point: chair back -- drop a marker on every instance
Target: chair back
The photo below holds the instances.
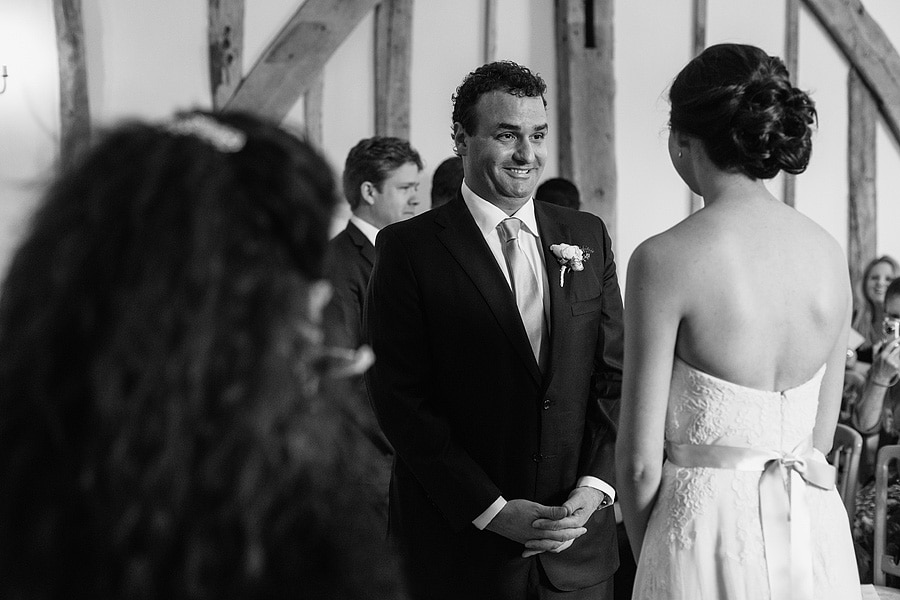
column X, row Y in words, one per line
column 844, row 456
column 883, row 563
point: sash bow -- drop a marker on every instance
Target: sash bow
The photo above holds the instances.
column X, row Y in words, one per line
column 782, row 504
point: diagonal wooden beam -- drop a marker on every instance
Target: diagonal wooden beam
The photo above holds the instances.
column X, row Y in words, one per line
column 393, row 56
column 226, row 48
column 297, row 54
column 586, row 94
column 868, row 49
column 74, row 107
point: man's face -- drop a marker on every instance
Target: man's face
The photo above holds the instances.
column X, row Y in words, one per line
column 397, row 199
column 505, row 156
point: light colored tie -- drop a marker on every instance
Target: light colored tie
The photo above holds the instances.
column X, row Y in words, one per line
column 524, row 284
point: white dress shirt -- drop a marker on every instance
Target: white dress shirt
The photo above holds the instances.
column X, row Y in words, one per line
column 367, row 229
column 487, row 218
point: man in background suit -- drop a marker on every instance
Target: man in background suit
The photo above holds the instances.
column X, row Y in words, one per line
column 501, row 404
column 381, row 178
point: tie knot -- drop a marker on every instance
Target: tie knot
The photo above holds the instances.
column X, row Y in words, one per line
column 509, row 229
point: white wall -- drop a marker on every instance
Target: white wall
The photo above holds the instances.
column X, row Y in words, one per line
column 146, row 59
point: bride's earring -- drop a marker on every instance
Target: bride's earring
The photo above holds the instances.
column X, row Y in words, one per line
column 680, row 154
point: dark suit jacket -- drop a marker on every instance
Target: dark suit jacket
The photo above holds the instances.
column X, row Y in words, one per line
column 348, row 266
column 459, row 394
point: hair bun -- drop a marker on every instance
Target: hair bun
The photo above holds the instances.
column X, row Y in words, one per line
column 741, row 103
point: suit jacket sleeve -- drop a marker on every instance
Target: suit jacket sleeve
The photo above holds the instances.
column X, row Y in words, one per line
column 400, row 384
column 598, row 451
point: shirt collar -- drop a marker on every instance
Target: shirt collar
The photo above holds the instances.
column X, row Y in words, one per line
column 367, row 229
column 487, row 216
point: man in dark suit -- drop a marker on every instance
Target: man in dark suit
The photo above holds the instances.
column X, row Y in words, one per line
column 381, row 179
column 502, row 416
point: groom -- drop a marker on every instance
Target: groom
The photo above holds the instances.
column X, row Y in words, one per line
column 497, row 380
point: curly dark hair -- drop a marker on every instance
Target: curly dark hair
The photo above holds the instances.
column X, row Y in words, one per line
column 740, row 102
column 161, row 433
column 505, row 76
column 373, row 159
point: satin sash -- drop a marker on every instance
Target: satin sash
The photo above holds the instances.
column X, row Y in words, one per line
column 782, row 504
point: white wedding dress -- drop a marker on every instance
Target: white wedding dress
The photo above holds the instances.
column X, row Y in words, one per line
column 705, row 538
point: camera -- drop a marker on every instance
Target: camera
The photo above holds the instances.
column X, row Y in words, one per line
column 891, row 328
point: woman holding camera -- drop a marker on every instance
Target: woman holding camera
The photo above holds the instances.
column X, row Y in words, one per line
column 877, row 413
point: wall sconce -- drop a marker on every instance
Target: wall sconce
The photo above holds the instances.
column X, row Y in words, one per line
column 3, row 76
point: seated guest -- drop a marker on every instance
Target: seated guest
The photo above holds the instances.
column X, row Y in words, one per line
column 876, row 415
column 868, row 302
column 161, row 433
column 446, row 181
column 559, row 191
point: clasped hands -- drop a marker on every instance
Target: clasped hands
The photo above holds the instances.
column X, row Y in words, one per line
column 547, row 528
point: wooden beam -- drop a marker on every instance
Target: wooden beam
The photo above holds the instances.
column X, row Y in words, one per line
column 587, row 88
column 490, row 30
column 699, row 43
column 393, row 55
column 74, row 106
column 312, row 111
column 868, row 49
column 226, row 48
column 861, row 163
column 791, row 61
column 296, row 56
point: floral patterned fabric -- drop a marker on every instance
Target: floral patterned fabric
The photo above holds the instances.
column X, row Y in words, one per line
column 704, row 538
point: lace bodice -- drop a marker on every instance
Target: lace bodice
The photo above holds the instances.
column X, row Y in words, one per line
column 704, row 409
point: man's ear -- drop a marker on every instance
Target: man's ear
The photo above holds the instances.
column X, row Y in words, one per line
column 460, row 139
column 367, row 191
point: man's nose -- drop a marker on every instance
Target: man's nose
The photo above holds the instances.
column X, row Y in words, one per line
column 524, row 151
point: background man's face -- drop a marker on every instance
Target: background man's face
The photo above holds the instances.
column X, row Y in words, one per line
column 505, row 156
column 397, row 199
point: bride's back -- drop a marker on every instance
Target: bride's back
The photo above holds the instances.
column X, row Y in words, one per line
column 763, row 300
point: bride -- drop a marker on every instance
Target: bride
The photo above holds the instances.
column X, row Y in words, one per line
column 736, row 327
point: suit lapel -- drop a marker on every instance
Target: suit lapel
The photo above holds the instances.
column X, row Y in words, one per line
column 366, row 249
column 552, row 231
column 464, row 241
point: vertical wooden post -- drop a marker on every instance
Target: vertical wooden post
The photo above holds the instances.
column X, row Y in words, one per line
column 490, row 30
column 863, row 214
column 312, row 111
column 226, row 46
column 791, row 61
column 74, row 106
column 393, row 54
column 699, row 43
column 584, row 49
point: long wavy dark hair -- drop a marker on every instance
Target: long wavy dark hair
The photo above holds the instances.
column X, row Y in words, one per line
column 161, row 430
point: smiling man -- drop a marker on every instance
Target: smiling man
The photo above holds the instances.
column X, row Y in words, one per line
column 496, row 379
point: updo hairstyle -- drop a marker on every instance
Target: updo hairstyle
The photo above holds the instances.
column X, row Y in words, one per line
column 741, row 104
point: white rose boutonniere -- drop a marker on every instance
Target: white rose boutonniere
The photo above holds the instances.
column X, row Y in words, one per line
column 571, row 258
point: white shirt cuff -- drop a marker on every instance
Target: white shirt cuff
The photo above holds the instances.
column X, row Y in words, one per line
column 598, row 484
column 488, row 515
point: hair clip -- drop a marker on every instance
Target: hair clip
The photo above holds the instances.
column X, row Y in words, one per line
column 223, row 138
